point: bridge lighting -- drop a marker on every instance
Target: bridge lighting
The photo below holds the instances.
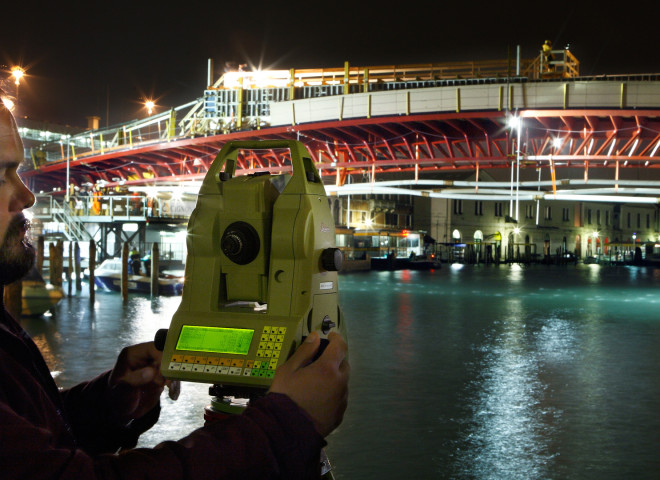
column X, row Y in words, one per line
column 556, row 142
column 17, row 73
column 514, row 122
column 149, row 105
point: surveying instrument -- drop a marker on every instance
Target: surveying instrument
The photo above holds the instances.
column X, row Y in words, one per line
column 261, row 274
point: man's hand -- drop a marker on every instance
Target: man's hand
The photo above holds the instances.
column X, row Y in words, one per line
column 320, row 388
column 136, row 382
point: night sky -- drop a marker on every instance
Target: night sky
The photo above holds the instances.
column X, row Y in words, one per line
column 105, row 58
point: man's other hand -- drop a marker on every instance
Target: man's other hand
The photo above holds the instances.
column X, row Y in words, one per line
column 136, row 382
column 320, row 388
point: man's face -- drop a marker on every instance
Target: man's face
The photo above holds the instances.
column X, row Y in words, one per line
column 16, row 253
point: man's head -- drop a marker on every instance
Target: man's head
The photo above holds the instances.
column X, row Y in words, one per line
column 16, row 253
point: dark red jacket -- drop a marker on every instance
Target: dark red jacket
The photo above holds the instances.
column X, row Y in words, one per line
column 70, row 434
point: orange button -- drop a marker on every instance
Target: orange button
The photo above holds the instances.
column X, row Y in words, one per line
column 249, row 364
column 224, row 362
column 189, row 359
column 177, row 358
column 237, row 362
column 212, row 361
column 201, row 360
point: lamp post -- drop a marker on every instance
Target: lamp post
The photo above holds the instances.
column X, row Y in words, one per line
column 18, row 73
column 149, row 105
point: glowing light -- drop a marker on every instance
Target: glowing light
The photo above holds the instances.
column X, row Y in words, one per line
column 368, row 222
column 556, row 142
column 9, row 105
column 17, row 73
column 595, row 234
column 514, row 122
column 149, row 105
column 516, row 230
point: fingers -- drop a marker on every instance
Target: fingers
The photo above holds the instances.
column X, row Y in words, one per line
column 143, row 354
column 336, row 350
column 304, row 354
column 143, row 376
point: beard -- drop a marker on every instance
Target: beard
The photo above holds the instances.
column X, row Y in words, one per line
column 16, row 252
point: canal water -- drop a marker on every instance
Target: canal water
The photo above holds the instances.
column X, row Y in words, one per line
column 473, row 372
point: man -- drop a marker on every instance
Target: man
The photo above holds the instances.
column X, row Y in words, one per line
column 73, row 434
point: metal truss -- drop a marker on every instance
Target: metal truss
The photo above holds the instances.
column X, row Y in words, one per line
column 372, row 148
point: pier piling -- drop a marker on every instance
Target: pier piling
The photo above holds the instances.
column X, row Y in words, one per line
column 155, row 260
column 92, row 266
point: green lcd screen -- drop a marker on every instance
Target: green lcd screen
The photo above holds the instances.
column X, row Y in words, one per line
column 215, row 339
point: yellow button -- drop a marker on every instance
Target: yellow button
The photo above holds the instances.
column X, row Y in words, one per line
column 279, row 338
column 277, row 346
column 281, row 330
column 267, row 329
column 276, row 354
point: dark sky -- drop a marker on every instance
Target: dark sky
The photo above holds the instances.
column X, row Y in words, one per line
column 80, row 57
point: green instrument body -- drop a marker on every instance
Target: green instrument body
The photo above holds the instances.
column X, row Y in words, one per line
column 260, row 274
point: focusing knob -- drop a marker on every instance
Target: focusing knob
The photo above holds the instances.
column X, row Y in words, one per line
column 159, row 339
column 332, row 259
column 240, row 243
column 327, row 325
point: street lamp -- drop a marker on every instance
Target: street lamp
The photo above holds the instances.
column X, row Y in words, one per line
column 149, row 105
column 18, row 73
column 515, row 122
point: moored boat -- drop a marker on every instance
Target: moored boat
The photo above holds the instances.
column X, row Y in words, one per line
column 108, row 276
column 37, row 296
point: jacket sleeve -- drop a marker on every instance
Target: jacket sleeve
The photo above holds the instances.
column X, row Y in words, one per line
column 273, row 438
column 94, row 425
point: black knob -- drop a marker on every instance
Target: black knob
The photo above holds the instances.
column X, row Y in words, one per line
column 240, row 243
column 332, row 259
column 159, row 339
column 327, row 325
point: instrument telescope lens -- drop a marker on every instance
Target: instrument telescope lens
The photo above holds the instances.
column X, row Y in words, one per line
column 240, row 243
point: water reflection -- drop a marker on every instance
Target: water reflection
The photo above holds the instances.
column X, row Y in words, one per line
column 472, row 373
column 508, row 433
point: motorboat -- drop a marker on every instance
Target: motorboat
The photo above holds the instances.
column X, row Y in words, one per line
column 108, row 276
column 37, row 296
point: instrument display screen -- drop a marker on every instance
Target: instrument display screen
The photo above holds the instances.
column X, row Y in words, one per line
column 215, row 339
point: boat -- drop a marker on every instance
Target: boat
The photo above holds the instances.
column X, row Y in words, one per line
column 108, row 276
column 414, row 262
column 37, row 296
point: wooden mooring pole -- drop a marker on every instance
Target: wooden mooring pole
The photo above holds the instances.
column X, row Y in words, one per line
column 69, row 270
column 13, row 298
column 40, row 254
column 124, row 272
column 92, row 266
column 155, row 260
column 77, row 268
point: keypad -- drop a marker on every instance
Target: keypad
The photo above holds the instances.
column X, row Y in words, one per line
column 268, row 353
